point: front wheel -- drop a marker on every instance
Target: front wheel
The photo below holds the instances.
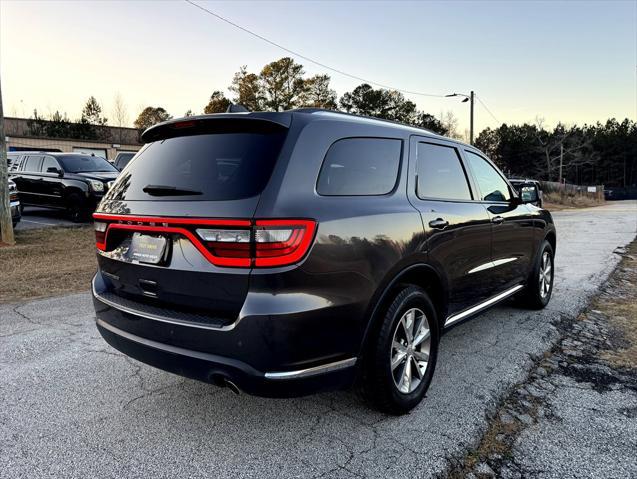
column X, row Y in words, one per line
column 75, row 209
column 539, row 288
column 401, row 359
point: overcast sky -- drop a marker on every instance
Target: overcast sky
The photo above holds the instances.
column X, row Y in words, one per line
column 574, row 62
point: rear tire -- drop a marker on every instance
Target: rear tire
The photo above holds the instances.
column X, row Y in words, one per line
column 401, row 357
column 537, row 293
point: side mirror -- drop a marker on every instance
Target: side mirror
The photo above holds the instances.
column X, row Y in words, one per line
column 529, row 194
column 57, row 171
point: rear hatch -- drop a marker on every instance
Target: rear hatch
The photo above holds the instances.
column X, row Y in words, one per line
column 175, row 230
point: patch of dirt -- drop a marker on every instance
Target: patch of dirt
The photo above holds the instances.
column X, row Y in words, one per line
column 47, row 262
column 556, row 201
column 620, row 306
column 598, row 348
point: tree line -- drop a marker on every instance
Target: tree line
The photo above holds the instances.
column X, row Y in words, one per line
column 58, row 125
column 590, row 154
column 279, row 85
column 603, row 153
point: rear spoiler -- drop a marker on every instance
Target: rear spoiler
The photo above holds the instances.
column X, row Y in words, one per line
column 262, row 122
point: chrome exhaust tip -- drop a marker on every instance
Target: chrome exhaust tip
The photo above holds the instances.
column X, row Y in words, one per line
column 233, row 387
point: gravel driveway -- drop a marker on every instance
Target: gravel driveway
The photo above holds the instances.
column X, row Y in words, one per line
column 71, row 406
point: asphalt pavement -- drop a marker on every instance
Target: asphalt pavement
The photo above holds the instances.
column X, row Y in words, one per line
column 71, row 406
column 36, row 218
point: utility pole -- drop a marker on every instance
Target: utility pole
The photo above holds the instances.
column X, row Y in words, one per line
column 467, row 98
column 471, row 120
column 561, row 160
column 6, row 227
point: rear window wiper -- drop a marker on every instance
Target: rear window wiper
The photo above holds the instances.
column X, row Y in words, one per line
column 166, row 190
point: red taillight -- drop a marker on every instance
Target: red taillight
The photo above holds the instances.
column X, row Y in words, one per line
column 282, row 242
column 230, row 243
column 100, row 235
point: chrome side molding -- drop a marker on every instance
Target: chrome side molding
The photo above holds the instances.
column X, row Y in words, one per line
column 491, row 264
column 480, row 306
column 316, row 370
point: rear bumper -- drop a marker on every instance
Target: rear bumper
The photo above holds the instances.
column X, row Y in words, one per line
column 121, row 329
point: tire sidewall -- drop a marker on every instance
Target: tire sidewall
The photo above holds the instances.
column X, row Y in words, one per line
column 537, row 298
column 410, row 297
column 75, row 209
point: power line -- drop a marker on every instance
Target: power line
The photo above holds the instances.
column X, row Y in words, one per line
column 487, row 108
column 299, row 55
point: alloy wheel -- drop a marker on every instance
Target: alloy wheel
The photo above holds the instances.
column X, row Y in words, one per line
column 410, row 348
column 546, row 274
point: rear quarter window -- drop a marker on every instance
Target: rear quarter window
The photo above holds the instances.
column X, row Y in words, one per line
column 360, row 167
column 13, row 162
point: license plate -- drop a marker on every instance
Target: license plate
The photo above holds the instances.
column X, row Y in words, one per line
column 147, row 249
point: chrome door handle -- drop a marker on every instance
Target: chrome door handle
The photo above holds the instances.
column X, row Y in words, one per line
column 497, row 220
column 438, row 224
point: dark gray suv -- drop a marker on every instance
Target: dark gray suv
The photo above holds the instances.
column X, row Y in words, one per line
column 286, row 253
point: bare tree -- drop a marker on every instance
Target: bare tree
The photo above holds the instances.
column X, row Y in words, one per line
column 562, row 148
column 450, row 122
column 119, row 111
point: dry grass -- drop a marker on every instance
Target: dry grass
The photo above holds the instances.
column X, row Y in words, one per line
column 490, row 444
column 47, row 262
column 554, row 201
column 622, row 311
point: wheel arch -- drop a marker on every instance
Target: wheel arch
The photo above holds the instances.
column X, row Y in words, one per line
column 551, row 237
column 76, row 189
column 421, row 274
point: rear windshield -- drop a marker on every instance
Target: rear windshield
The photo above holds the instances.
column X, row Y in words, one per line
column 217, row 167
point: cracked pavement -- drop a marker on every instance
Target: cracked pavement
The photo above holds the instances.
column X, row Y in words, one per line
column 575, row 414
column 71, row 406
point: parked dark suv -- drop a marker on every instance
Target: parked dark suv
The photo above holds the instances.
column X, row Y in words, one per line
column 286, row 253
column 74, row 182
column 529, row 190
column 123, row 158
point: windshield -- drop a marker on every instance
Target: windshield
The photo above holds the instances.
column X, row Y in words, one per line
column 213, row 167
column 85, row 163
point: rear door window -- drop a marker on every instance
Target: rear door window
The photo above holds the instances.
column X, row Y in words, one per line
column 32, row 164
column 212, row 167
column 360, row 166
column 440, row 173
